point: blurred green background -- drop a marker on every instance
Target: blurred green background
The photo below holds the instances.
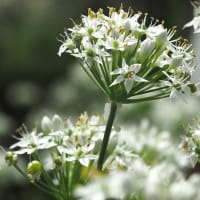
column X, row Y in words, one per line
column 35, row 82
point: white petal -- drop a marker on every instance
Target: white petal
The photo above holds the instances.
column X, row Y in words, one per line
column 84, row 161
column 118, row 80
column 139, row 79
column 190, row 23
column 87, row 148
column 135, row 68
column 128, row 83
column 62, row 49
column 117, row 71
column 72, row 158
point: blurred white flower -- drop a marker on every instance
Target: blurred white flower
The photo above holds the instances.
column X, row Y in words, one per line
column 195, row 22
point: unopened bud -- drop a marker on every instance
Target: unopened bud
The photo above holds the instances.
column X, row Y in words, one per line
column 146, row 48
column 10, row 158
column 57, row 122
column 57, row 161
column 46, row 124
column 34, row 169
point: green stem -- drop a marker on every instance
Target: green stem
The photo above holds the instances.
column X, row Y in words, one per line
column 107, row 134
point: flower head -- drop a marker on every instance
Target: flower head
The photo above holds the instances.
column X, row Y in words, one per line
column 127, row 58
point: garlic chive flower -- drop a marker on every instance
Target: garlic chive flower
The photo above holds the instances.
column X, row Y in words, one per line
column 129, row 59
column 30, row 142
column 191, row 142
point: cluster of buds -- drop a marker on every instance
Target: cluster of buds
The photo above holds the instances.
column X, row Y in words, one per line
column 129, row 59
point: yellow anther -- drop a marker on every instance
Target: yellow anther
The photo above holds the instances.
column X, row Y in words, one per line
column 91, row 13
column 111, row 10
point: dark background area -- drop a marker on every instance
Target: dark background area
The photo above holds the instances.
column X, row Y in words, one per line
column 34, row 81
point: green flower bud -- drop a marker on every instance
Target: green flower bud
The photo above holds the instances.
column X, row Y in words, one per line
column 10, row 158
column 34, row 169
column 192, row 87
column 57, row 161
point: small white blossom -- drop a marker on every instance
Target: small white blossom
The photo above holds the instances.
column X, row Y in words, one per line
column 127, row 74
column 195, row 22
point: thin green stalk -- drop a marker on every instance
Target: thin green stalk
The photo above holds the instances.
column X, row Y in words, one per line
column 107, row 135
column 42, row 188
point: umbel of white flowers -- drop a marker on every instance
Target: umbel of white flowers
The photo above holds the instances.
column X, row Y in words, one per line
column 129, row 59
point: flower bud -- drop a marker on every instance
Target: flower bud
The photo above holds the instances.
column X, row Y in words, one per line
column 57, row 122
column 46, row 124
column 192, row 87
column 57, row 161
column 10, row 158
column 146, row 48
column 34, row 169
column 161, row 38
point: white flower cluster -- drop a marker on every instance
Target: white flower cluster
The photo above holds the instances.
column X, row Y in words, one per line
column 141, row 161
column 157, row 172
column 146, row 142
column 72, row 142
column 129, row 59
column 163, row 181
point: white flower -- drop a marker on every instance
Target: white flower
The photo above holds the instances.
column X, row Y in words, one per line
column 90, row 191
column 67, row 46
column 78, row 147
column 31, row 142
column 188, row 145
column 115, row 186
column 182, row 190
column 50, row 125
column 161, row 36
column 127, row 74
column 177, row 85
column 195, row 22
